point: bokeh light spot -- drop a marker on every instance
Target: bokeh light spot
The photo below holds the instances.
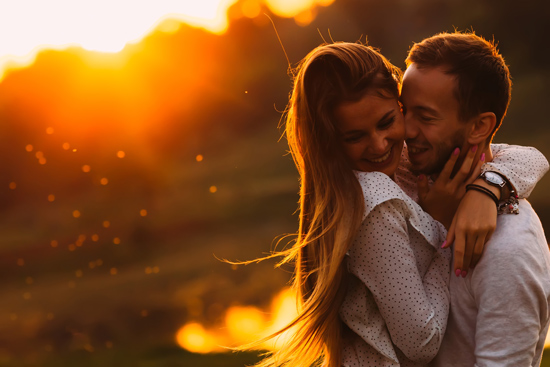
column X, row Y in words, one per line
column 66, row 146
column 42, row 160
column 72, row 247
column 95, row 237
column 194, row 338
column 143, row 212
column 113, row 271
column 213, row 189
column 29, row 148
column 251, row 8
column 27, row 295
column 29, row 280
column 78, row 273
column 76, row 213
column 244, row 323
column 39, row 154
column 116, row 241
column 120, row 154
column 54, row 243
column 51, row 197
column 49, row 130
column 106, row 224
column 199, row 157
column 13, row 185
column 20, row 262
column 104, row 181
column 86, row 168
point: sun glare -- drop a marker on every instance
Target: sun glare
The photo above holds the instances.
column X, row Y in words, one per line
column 242, row 325
column 27, row 26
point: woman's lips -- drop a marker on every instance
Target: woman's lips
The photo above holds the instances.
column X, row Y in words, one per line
column 383, row 160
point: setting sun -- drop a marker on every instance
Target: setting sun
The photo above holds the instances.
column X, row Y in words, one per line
column 101, row 25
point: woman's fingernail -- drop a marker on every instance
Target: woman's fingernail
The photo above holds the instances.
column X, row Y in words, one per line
column 474, row 148
column 458, row 272
column 421, row 178
column 482, row 157
column 456, row 151
column 444, row 243
column 464, row 273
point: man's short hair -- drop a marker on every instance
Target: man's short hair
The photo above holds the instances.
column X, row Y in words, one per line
column 483, row 79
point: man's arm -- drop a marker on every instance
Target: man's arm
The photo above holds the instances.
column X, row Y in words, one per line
column 510, row 286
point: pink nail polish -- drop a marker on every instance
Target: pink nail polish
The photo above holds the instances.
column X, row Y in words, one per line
column 458, row 272
column 420, row 177
column 482, row 157
column 464, row 273
column 474, row 148
column 444, row 243
column 456, row 151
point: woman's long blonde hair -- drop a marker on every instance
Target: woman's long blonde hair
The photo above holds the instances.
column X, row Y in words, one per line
column 331, row 200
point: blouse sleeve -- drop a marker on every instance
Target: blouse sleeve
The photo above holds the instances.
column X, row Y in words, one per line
column 414, row 306
column 522, row 166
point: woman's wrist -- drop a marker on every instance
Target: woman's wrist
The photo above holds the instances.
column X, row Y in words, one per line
column 495, row 190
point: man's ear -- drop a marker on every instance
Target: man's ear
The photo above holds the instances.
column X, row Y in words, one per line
column 482, row 128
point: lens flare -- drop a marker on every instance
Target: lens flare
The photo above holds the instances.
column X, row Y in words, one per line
column 194, row 338
column 242, row 325
column 100, row 25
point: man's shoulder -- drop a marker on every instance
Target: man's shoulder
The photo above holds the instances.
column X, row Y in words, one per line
column 518, row 241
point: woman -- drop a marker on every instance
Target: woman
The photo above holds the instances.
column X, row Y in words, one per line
column 362, row 302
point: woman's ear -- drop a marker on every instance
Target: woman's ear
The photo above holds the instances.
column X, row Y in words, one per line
column 482, row 128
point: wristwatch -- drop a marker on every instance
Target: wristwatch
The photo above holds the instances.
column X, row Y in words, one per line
column 493, row 178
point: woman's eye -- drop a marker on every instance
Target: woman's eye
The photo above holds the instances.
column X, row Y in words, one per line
column 387, row 123
column 352, row 139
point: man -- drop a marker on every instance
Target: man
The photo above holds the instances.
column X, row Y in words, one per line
column 456, row 91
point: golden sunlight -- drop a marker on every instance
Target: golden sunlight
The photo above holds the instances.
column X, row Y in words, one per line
column 196, row 339
column 242, row 325
column 100, row 25
column 107, row 26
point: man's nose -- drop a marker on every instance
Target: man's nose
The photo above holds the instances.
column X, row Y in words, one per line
column 411, row 128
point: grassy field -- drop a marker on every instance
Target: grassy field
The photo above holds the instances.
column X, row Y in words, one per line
column 96, row 301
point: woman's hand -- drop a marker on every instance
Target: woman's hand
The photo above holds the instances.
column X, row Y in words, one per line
column 442, row 199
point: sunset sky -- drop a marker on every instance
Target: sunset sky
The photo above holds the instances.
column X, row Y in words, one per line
column 107, row 26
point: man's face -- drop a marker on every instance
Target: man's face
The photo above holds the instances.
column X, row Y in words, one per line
column 433, row 129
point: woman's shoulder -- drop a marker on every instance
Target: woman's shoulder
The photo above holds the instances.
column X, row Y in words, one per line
column 379, row 188
column 383, row 197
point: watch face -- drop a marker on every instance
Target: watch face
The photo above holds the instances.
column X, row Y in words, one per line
column 494, row 178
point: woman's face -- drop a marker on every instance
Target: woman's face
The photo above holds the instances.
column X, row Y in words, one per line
column 372, row 132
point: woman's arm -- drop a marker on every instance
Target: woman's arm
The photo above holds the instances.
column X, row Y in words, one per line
column 475, row 218
column 523, row 167
column 414, row 306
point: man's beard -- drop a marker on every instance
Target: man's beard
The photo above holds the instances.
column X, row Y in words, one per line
column 442, row 153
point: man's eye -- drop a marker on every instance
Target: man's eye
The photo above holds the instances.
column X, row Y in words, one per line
column 426, row 118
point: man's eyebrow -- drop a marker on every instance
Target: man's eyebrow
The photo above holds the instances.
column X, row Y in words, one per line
column 422, row 108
